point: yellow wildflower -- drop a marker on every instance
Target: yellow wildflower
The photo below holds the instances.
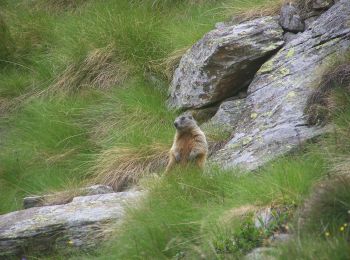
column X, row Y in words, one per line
column 345, row 225
column 327, row 234
column 341, row 229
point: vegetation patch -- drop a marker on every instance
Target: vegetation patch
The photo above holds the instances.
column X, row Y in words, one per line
column 57, row 5
column 327, row 211
column 100, row 70
column 247, row 10
column 183, row 215
column 5, row 41
column 121, row 167
column 323, row 101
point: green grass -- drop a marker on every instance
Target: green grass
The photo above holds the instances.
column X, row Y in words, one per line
column 310, row 248
column 52, row 140
column 181, row 213
column 134, row 115
column 44, row 149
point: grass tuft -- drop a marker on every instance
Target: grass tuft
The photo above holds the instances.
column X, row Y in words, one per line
column 322, row 103
column 248, row 10
column 57, row 5
column 310, row 248
column 5, row 41
column 167, row 66
column 121, row 167
column 100, row 70
column 328, row 208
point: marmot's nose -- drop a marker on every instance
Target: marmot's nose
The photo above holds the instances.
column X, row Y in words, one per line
column 175, row 124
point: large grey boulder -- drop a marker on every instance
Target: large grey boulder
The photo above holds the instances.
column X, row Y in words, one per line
column 290, row 19
column 223, row 62
column 273, row 121
column 83, row 223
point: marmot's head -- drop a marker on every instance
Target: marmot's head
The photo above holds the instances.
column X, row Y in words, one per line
column 185, row 123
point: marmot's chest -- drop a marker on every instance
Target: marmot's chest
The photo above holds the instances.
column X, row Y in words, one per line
column 185, row 145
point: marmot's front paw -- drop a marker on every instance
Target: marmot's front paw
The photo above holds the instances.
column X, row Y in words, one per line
column 193, row 155
column 177, row 156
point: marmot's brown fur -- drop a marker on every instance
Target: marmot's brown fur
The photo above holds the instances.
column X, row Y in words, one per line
column 190, row 144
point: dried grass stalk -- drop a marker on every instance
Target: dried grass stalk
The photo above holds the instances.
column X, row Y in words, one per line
column 321, row 103
column 242, row 13
column 168, row 65
column 98, row 70
column 121, row 166
column 57, row 5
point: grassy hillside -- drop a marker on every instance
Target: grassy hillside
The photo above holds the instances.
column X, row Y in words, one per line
column 82, row 88
column 83, row 85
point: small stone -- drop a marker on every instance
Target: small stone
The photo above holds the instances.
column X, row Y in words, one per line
column 32, row 201
column 279, row 238
column 97, row 189
column 290, row 19
column 321, row 4
column 260, row 253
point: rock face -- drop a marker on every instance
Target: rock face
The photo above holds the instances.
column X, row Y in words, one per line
column 223, row 62
column 290, row 19
column 82, row 223
column 288, row 36
column 273, row 121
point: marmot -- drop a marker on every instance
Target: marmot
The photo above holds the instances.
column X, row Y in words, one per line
column 190, row 144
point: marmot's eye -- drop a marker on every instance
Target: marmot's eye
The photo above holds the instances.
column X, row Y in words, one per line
column 190, row 117
column 183, row 118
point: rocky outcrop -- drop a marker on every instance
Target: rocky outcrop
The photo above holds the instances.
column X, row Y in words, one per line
column 273, row 121
column 82, row 223
column 223, row 62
